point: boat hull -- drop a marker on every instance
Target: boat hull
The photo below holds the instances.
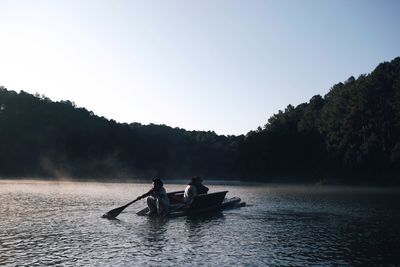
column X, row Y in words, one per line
column 202, row 205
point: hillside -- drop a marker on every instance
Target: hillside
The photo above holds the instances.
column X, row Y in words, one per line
column 350, row 135
column 40, row 137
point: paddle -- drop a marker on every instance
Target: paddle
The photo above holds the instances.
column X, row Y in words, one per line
column 112, row 214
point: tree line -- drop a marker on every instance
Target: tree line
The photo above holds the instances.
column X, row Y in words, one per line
column 350, row 135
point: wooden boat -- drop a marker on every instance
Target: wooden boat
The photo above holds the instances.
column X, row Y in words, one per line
column 202, row 204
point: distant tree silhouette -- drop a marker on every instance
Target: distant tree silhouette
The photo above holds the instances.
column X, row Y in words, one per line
column 351, row 134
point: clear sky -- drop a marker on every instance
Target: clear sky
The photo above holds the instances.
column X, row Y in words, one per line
column 220, row 65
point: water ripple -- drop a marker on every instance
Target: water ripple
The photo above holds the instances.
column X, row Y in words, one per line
column 58, row 224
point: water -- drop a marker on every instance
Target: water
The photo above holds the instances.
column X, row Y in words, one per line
column 58, row 223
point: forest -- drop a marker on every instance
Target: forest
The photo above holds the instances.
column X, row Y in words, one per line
column 350, row 136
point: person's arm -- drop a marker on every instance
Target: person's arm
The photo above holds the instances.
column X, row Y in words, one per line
column 190, row 192
column 146, row 194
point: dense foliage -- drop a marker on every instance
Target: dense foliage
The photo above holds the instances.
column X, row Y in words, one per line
column 352, row 134
column 39, row 137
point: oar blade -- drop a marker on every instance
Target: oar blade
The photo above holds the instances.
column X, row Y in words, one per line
column 112, row 214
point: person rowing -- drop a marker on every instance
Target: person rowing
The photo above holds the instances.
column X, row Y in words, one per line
column 194, row 188
column 157, row 199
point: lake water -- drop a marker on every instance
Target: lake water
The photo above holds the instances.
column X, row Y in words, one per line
column 58, row 223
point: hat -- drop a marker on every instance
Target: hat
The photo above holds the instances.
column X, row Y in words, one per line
column 196, row 179
column 158, row 181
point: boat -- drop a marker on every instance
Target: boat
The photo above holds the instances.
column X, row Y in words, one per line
column 202, row 204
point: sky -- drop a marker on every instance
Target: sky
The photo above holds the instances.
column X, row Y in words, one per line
column 213, row 65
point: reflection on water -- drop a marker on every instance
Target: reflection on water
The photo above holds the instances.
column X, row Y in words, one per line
column 49, row 223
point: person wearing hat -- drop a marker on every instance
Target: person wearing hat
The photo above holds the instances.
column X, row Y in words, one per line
column 157, row 199
column 194, row 188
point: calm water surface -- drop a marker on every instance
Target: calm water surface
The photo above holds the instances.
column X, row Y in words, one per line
column 58, row 223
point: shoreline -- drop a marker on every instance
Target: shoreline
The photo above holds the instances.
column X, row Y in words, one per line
column 216, row 182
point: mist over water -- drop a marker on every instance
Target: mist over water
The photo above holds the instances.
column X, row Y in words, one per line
column 58, row 223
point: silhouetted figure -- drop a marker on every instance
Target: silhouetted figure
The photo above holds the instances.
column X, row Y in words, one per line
column 194, row 188
column 157, row 199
